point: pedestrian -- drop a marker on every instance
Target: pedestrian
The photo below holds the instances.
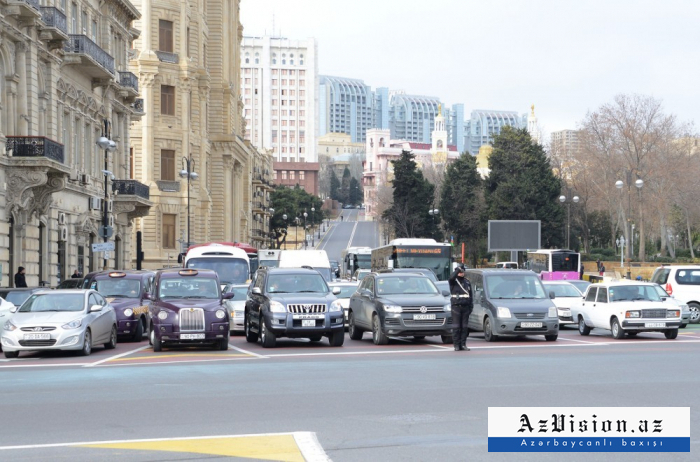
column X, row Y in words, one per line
column 598, row 265
column 76, row 274
column 20, row 281
column 580, row 276
column 462, row 305
column 602, row 269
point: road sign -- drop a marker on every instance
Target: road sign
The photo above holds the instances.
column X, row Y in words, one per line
column 105, row 231
column 103, row 246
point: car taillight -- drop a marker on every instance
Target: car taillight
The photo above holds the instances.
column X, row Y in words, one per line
column 669, row 288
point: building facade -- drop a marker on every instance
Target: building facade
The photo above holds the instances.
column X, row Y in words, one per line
column 412, row 117
column 484, row 124
column 66, row 83
column 262, row 176
column 345, row 106
column 189, row 146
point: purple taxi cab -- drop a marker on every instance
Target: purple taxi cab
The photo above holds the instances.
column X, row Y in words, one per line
column 187, row 309
column 126, row 291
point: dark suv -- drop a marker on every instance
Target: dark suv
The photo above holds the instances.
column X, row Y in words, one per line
column 294, row 303
column 400, row 304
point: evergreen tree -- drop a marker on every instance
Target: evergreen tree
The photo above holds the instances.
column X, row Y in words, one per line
column 345, row 187
column 522, row 186
column 355, row 192
column 335, row 186
column 292, row 202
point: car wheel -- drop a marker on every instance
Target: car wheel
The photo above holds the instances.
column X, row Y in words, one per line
column 250, row 337
column 336, row 339
column 353, row 330
column 583, row 329
column 694, row 309
column 112, row 344
column 155, row 341
column 11, row 354
column 87, row 344
column 223, row 343
column 447, row 339
column 551, row 338
column 671, row 334
column 378, row 337
column 616, row 329
column 268, row 338
column 138, row 335
column 489, row 336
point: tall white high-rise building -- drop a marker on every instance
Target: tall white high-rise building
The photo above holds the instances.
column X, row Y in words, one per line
column 279, row 84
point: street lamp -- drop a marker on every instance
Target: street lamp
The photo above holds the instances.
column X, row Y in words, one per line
column 284, row 217
column 639, row 183
column 108, row 145
column 312, row 219
column 305, row 243
column 296, row 232
column 189, row 174
column 269, row 226
column 621, row 243
column 562, row 199
column 433, row 213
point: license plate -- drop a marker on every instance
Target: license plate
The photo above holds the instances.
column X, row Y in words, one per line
column 654, row 324
column 37, row 336
column 308, row 316
column 192, row 336
column 308, row 323
column 423, row 317
column 530, row 325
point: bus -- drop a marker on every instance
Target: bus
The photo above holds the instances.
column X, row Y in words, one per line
column 251, row 251
column 230, row 262
column 554, row 264
column 354, row 258
column 269, row 258
column 415, row 253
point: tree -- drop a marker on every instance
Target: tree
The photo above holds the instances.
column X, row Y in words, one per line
column 334, row 185
column 412, row 198
column 462, row 204
column 522, row 186
column 355, row 192
column 292, row 202
column 345, row 187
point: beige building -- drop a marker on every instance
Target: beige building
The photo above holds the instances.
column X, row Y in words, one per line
column 188, row 63
column 65, row 82
column 262, row 176
column 336, row 144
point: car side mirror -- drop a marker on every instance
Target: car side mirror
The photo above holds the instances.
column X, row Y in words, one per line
column 228, row 295
column 13, row 309
column 551, row 295
column 445, row 293
column 336, row 290
column 94, row 308
column 256, row 291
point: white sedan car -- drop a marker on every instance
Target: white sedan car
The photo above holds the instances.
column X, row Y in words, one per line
column 75, row 319
column 565, row 295
column 626, row 308
column 346, row 291
column 236, row 305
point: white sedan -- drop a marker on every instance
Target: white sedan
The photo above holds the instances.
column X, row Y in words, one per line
column 236, row 305
column 565, row 295
column 346, row 291
column 626, row 308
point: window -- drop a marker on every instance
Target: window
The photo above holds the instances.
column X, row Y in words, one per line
column 275, row 71
column 165, row 35
column 291, row 175
column 602, row 295
column 301, row 176
column 84, row 21
column 274, row 175
column 74, row 18
column 284, row 81
column 284, row 174
column 167, row 164
column 169, row 230
column 167, row 100
column 274, row 81
column 590, row 295
column 274, row 136
column 94, row 31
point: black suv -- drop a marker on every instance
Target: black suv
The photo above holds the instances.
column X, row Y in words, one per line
column 294, row 303
column 399, row 304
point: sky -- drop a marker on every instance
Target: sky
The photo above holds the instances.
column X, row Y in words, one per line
column 567, row 57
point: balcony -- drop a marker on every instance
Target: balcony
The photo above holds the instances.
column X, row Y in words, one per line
column 55, row 25
column 131, row 187
column 34, row 146
column 26, row 9
column 257, row 178
column 258, row 207
column 129, row 80
column 167, row 57
column 97, row 63
column 131, row 197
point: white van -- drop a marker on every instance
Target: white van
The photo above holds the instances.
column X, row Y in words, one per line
column 316, row 259
column 682, row 282
column 507, row 265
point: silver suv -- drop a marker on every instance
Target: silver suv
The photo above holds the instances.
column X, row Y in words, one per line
column 683, row 283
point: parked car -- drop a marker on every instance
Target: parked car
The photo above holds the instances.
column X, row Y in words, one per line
column 360, row 274
column 188, row 309
column 511, row 302
column 293, row 303
column 427, row 272
column 399, row 304
column 6, row 311
column 236, row 305
column 683, row 282
column 507, row 265
column 346, row 291
column 127, row 292
column 74, row 319
column 19, row 295
column 565, row 294
column 72, row 283
column 685, row 312
column 626, row 307
column 580, row 284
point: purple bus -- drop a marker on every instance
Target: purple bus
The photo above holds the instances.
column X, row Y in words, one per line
column 555, row 265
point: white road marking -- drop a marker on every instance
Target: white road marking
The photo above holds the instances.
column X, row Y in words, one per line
column 97, row 363
column 354, row 228
column 442, row 347
column 574, row 340
column 327, row 237
column 247, row 352
column 168, row 363
column 310, row 448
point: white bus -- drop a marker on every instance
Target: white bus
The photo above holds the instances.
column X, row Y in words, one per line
column 269, row 258
column 230, row 263
column 354, row 258
column 415, row 253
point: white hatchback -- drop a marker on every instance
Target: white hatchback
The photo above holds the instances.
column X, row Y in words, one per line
column 565, row 295
column 683, row 283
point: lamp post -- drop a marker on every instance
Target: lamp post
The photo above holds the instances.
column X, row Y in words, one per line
column 296, row 232
column 562, row 199
column 433, row 213
column 189, row 174
column 269, row 226
column 639, row 183
column 284, row 217
column 305, row 243
column 621, row 243
column 106, row 143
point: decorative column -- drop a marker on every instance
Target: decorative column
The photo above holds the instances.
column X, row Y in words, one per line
column 22, row 111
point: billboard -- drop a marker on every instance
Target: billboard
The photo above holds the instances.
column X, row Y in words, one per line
column 514, row 235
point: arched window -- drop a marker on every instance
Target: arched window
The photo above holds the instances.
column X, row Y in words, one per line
column 381, row 142
column 439, row 143
column 284, row 61
column 291, row 61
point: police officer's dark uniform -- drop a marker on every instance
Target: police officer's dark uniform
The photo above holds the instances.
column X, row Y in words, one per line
column 462, row 305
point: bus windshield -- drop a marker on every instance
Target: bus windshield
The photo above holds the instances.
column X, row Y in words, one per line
column 230, row 270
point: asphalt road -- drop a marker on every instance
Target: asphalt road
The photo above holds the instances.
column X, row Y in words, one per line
column 407, row 401
column 352, row 231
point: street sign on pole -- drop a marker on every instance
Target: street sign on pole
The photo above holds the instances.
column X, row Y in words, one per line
column 103, row 246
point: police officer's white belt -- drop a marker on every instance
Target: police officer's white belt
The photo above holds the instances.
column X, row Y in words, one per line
column 461, row 296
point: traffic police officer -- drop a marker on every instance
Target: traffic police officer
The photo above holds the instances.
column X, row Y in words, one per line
column 462, row 305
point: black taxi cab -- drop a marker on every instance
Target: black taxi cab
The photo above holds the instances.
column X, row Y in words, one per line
column 187, row 309
column 126, row 291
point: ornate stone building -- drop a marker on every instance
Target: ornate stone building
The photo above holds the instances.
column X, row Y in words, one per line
column 64, row 79
column 188, row 65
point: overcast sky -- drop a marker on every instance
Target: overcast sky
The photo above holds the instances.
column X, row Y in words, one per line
column 565, row 56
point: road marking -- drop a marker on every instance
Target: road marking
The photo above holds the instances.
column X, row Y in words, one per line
column 574, row 340
column 247, row 352
column 112, row 358
column 443, row 347
column 180, row 355
column 327, row 236
column 154, row 361
column 354, row 228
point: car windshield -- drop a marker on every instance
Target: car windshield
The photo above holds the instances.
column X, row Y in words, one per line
column 53, row 302
column 270, row 263
column 345, row 291
column 234, row 270
column 628, row 293
column 239, row 293
column 514, row 286
column 660, row 290
column 189, row 287
column 361, row 274
column 120, row 288
column 16, row 297
column 405, row 285
column 562, row 290
column 296, row 283
column 580, row 285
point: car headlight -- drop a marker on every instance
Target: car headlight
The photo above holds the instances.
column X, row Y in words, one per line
column 336, row 306
column 393, row 308
column 9, row 326
column 162, row 315
column 503, row 312
column 128, row 312
column 633, row 314
column 447, row 308
column 277, row 307
column 684, row 308
column 673, row 313
column 553, row 312
column 74, row 324
column 220, row 314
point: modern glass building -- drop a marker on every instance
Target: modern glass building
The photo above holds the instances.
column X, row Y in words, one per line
column 484, row 124
column 345, row 106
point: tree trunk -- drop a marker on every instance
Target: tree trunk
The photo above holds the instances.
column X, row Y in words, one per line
column 690, row 236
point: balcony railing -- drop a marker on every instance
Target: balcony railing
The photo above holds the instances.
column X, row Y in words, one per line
column 131, row 188
column 258, row 206
column 35, row 146
column 129, row 79
column 138, row 105
column 168, row 57
column 81, row 44
column 53, row 17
